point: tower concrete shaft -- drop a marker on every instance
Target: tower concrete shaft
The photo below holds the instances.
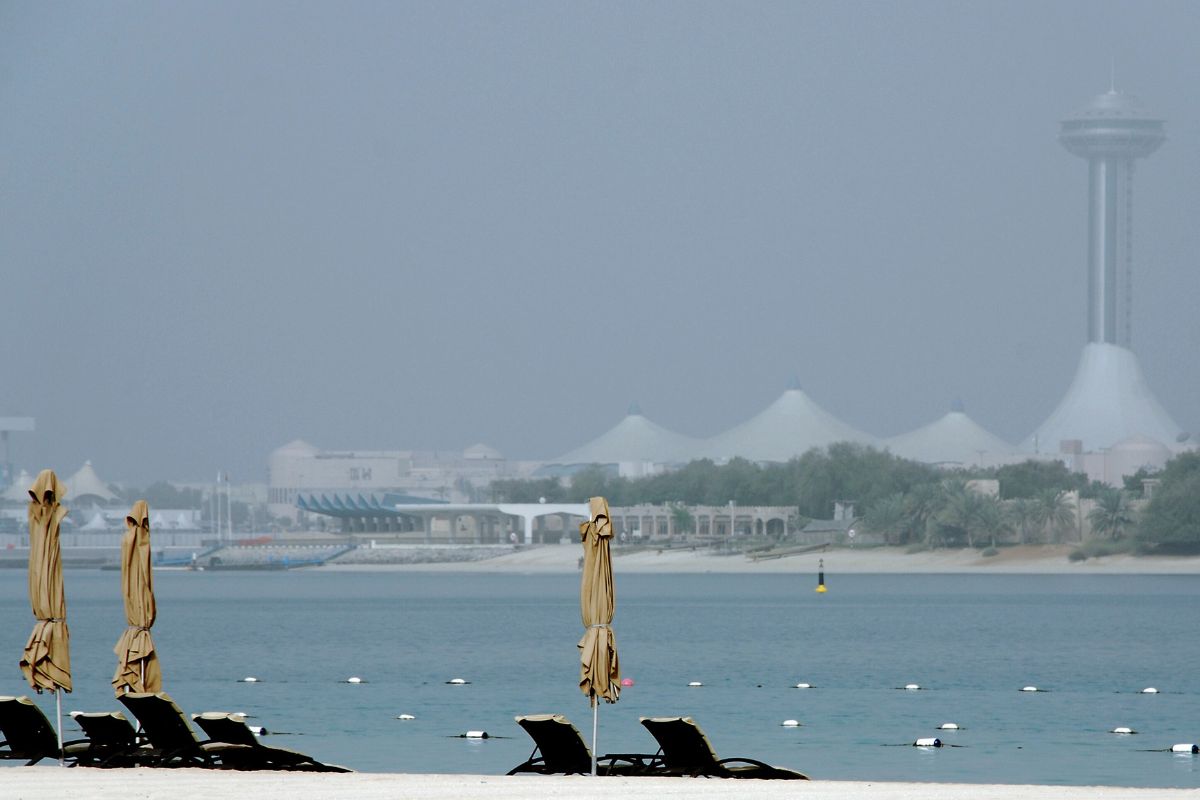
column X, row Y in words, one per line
column 1110, row 250
column 1110, row 133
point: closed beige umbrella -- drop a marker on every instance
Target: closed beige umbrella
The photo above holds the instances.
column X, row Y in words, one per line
column 137, row 663
column 46, row 661
column 599, row 669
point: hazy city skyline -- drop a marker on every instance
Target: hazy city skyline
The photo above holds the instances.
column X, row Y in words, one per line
column 422, row 226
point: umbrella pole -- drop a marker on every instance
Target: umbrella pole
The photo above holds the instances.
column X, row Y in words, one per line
column 58, row 706
column 595, row 717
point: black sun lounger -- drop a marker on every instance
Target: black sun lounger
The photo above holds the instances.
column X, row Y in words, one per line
column 29, row 736
column 685, row 750
column 559, row 749
column 112, row 741
column 174, row 743
column 232, row 729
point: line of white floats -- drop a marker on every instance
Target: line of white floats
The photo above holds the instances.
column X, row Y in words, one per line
column 933, row 741
column 357, row 679
column 923, row 742
column 1186, row 748
column 908, row 687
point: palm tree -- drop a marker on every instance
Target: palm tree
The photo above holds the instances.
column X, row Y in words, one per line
column 1112, row 516
column 1023, row 514
column 889, row 517
column 922, row 506
column 1055, row 513
column 962, row 510
column 992, row 518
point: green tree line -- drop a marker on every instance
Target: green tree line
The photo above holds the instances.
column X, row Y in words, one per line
column 909, row 502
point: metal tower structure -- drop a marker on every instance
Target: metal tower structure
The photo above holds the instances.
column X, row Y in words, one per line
column 1109, row 400
column 1110, row 132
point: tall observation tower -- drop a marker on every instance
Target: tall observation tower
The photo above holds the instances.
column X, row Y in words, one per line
column 1110, row 132
column 1109, row 400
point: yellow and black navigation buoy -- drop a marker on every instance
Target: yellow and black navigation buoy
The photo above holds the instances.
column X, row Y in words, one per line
column 821, row 576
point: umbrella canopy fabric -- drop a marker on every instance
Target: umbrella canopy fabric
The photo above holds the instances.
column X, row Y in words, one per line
column 599, row 669
column 46, row 661
column 138, row 669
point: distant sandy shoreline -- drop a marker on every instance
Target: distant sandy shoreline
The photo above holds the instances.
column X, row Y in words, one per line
column 1027, row 560
column 37, row 783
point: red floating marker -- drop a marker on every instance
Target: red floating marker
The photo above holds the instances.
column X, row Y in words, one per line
column 627, row 681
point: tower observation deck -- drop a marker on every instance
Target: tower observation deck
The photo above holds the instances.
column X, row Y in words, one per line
column 1110, row 132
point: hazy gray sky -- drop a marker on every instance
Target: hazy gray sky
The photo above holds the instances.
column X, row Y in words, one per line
column 424, row 225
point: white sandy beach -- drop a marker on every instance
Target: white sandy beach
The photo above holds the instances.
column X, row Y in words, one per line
column 39, row 783
column 1032, row 559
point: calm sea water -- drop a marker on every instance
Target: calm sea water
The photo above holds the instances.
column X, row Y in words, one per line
column 1092, row 642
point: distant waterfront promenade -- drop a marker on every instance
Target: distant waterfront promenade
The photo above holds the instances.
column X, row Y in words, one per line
column 332, row 553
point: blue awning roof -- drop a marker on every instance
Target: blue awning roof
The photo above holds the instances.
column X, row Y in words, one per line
column 362, row 505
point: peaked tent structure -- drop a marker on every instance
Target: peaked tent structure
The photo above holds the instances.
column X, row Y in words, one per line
column 1109, row 401
column 789, row 427
column 637, row 439
column 953, row 440
column 17, row 492
column 96, row 523
column 87, row 485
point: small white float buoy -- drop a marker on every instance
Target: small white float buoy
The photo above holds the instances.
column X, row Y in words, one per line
column 1123, row 730
column 948, row 726
column 475, row 735
column 1149, row 690
column 695, row 683
column 457, row 682
column 928, row 743
column 912, row 687
column 249, row 679
column 354, row 679
column 803, row 686
column 791, row 723
column 406, row 717
column 1030, row 689
column 1185, row 748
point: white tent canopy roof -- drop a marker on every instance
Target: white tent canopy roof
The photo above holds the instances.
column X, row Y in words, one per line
column 1109, row 400
column 953, row 439
column 19, row 491
column 297, row 447
column 482, row 452
column 96, row 523
column 789, row 427
column 634, row 439
column 86, row 483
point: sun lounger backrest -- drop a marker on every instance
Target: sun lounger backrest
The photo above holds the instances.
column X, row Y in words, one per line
column 25, row 728
column 684, row 746
column 106, row 728
column 561, row 745
column 163, row 722
column 224, row 727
